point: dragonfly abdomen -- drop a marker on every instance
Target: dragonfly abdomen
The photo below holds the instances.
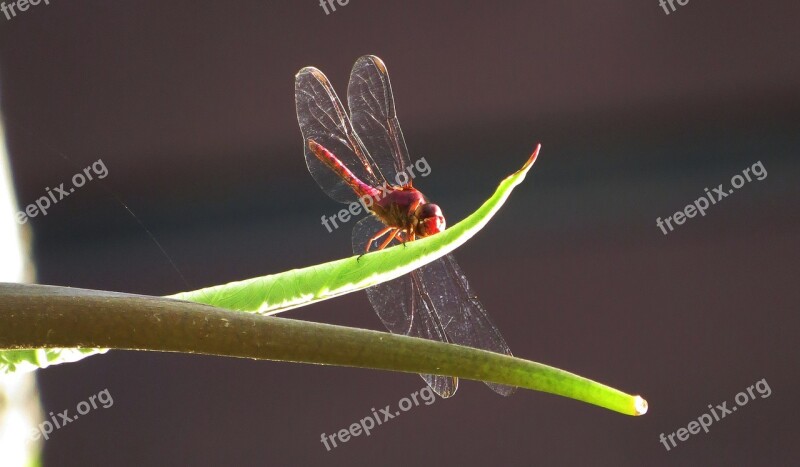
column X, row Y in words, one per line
column 328, row 158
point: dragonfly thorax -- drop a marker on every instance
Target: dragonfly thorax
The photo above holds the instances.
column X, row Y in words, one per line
column 406, row 208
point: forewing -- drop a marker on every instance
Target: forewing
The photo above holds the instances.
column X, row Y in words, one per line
column 369, row 96
column 402, row 307
column 463, row 317
column 322, row 118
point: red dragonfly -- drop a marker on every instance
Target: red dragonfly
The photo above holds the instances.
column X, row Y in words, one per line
column 357, row 157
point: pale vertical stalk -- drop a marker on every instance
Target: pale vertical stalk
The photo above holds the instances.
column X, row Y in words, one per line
column 19, row 398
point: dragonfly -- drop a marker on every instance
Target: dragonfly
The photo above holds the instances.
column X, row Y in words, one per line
column 356, row 156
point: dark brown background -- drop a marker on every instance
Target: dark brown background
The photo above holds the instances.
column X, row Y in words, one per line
column 190, row 106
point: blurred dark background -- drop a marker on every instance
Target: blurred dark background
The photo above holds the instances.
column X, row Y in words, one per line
column 190, row 105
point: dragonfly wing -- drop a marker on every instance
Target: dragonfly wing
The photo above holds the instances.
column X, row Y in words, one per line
column 322, row 118
column 463, row 317
column 369, row 96
column 402, row 307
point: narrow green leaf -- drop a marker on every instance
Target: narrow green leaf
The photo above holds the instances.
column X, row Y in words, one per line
column 63, row 324
column 299, row 287
column 37, row 316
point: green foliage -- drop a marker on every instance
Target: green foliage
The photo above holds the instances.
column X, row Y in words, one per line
column 300, row 287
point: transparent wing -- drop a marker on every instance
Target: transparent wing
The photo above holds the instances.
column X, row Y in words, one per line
column 369, row 96
column 322, row 118
column 434, row 302
column 403, row 308
column 464, row 319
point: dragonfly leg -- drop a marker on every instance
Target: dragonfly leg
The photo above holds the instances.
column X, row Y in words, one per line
column 378, row 235
column 406, row 236
column 411, row 235
column 402, row 237
column 390, row 238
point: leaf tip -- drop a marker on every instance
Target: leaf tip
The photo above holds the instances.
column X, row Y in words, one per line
column 533, row 157
column 640, row 405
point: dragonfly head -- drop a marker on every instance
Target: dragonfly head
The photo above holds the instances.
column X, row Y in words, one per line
column 430, row 219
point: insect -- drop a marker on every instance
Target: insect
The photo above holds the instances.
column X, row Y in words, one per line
column 357, row 156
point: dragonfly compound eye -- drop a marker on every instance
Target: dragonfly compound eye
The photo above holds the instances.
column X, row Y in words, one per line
column 431, row 220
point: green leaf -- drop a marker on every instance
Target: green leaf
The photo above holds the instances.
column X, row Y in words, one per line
column 32, row 359
column 168, row 327
column 300, row 287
